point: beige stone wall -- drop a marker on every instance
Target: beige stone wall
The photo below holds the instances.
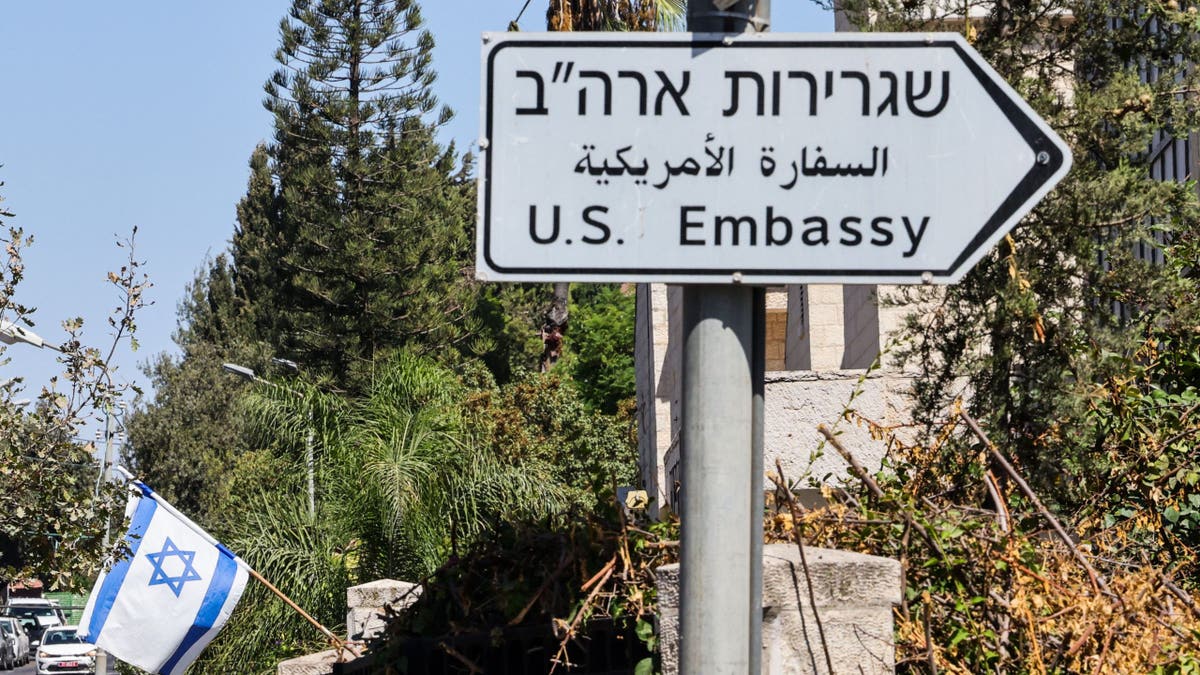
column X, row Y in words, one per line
column 776, row 338
column 819, row 328
column 797, row 402
column 825, row 326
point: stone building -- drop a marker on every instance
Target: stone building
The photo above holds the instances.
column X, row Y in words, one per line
column 821, row 342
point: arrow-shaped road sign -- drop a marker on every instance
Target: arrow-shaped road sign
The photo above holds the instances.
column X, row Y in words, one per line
column 770, row 158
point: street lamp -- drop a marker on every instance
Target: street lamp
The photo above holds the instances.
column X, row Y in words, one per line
column 11, row 334
column 249, row 375
column 242, row 372
column 105, row 469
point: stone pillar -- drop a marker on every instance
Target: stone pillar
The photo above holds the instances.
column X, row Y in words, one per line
column 825, row 326
column 854, row 596
column 798, row 345
column 367, row 607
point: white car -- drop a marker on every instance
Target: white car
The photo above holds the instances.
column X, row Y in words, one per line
column 36, row 618
column 63, row 651
column 38, row 606
column 18, row 641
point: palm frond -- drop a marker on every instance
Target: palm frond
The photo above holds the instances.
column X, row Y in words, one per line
column 672, row 14
column 400, row 483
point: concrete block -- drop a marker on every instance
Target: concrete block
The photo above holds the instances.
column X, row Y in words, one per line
column 853, row 593
column 839, row 578
column 320, row 663
column 366, row 623
column 366, row 613
column 382, row 592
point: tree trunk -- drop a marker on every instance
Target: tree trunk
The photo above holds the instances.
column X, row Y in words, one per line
column 554, row 327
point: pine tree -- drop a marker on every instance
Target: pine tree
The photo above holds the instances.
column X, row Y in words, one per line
column 353, row 238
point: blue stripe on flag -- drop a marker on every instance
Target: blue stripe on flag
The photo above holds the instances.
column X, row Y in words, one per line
column 107, row 594
column 210, row 609
column 144, row 488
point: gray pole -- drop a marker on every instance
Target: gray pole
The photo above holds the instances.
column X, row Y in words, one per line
column 758, row 367
column 717, row 445
column 720, row 610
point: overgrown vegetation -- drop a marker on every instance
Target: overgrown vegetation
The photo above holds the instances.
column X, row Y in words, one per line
column 1066, row 301
column 443, row 455
column 994, row 582
column 54, row 505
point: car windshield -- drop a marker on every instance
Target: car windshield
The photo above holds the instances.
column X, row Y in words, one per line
column 31, row 612
column 61, row 637
column 6, row 627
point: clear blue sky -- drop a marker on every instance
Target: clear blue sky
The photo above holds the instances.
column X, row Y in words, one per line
column 144, row 112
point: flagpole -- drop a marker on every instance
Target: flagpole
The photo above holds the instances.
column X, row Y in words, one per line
column 338, row 642
column 147, row 491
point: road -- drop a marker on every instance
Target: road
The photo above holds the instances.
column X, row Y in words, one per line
column 29, row 669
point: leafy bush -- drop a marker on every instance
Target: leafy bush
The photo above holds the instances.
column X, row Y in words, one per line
column 600, row 343
column 989, row 586
column 544, row 418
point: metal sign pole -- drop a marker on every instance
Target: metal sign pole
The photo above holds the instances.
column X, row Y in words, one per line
column 758, row 368
column 716, row 502
column 720, row 624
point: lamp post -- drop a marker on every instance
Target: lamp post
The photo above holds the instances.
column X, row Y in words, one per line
column 11, row 334
column 249, row 375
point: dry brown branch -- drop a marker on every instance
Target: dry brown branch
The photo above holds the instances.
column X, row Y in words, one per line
column 1002, row 516
column 1097, row 581
column 861, row 473
column 1081, row 640
column 670, row 543
column 604, row 572
column 560, row 655
column 1108, row 635
column 461, row 658
column 930, row 655
column 541, row 589
column 1181, row 594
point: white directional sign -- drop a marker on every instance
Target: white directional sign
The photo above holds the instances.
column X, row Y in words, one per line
column 770, row 158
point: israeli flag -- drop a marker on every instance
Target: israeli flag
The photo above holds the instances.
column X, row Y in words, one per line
column 161, row 606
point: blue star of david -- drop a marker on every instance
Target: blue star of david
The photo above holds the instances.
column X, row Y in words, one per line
column 175, row 583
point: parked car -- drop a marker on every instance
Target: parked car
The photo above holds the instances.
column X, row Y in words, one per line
column 62, row 651
column 8, row 653
column 43, row 606
column 14, row 633
column 36, row 618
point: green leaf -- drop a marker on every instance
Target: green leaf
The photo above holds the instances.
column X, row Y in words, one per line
column 959, row 635
column 644, row 630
